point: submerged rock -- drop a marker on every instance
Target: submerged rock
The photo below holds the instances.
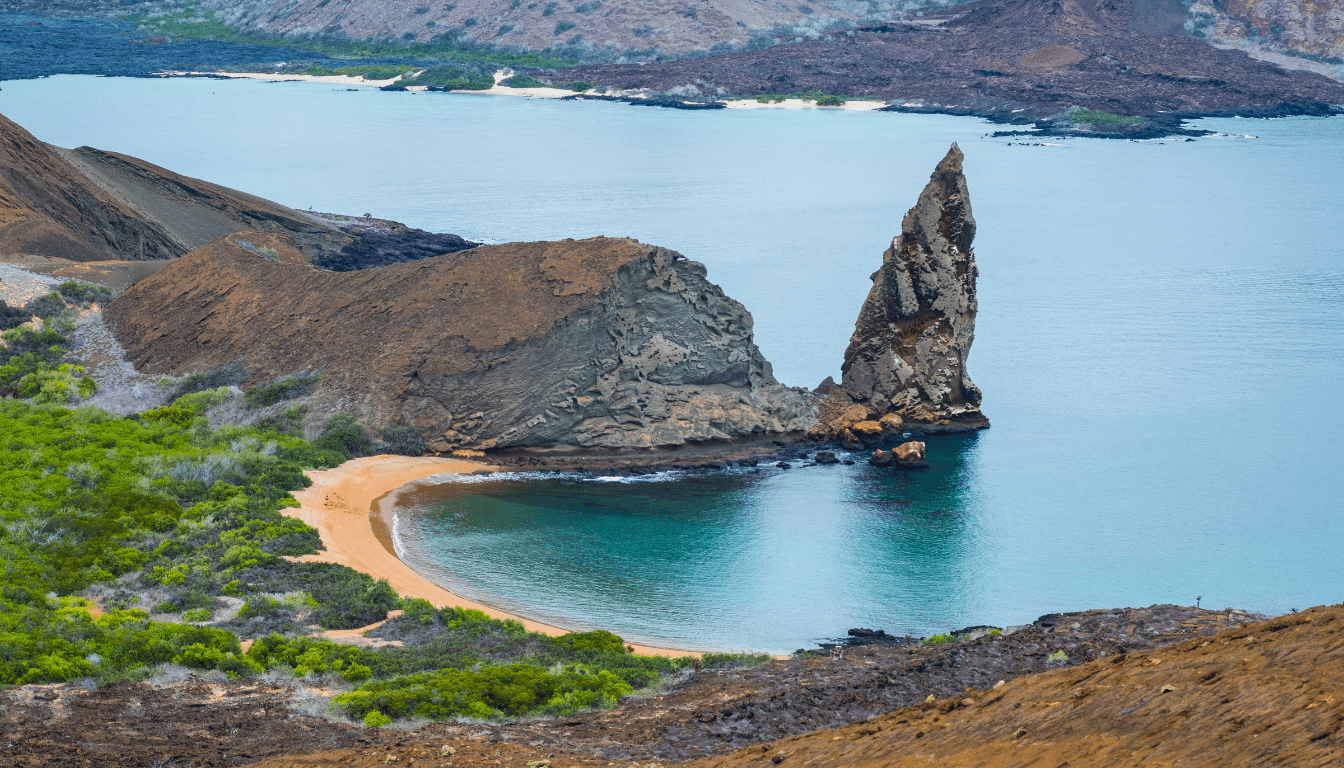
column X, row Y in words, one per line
column 907, row 358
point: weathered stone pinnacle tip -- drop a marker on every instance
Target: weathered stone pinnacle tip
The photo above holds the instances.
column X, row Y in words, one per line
column 908, row 353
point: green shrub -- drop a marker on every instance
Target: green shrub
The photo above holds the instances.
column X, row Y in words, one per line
column 449, row 77
column 84, row 293
column 344, row 435
column 518, row 81
column 599, row 640
column 197, row 615
column 285, row 388
column 376, row 719
column 580, row 86
column 514, row 690
column 356, row 673
column 1099, row 119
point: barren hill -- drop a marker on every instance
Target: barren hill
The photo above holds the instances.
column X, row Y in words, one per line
column 600, row 343
column 1268, row 694
column 1014, row 59
column 89, row 205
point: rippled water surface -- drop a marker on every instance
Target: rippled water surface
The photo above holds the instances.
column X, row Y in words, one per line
column 1159, row 343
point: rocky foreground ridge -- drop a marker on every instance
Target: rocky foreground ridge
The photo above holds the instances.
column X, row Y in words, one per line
column 601, row 345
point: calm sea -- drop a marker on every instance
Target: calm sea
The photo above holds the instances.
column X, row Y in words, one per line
column 1160, row 343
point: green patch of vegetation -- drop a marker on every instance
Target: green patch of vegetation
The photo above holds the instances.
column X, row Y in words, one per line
column 938, row 639
column 522, row 81
column 449, row 46
column 1058, row 657
column 1099, row 119
column 580, row 86
column 449, row 77
column 162, row 509
column 84, row 293
column 818, row 97
column 33, row 360
column 286, row 388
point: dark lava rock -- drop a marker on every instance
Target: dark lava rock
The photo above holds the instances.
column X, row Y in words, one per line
column 826, row 457
column 784, row 465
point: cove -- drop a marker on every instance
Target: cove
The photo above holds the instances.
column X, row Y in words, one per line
column 1158, row 344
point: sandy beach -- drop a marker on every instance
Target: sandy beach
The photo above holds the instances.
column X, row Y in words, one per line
column 535, row 93
column 339, row 505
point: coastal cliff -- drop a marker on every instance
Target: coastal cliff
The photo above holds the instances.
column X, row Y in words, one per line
column 906, row 362
column 604, row 343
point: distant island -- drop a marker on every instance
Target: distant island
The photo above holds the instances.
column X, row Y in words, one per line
column 1125, row 69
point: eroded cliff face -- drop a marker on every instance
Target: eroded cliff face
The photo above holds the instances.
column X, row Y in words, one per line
column 594, row 344
column 907, row 357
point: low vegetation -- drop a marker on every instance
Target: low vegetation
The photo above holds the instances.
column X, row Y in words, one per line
column 1098, row 119
column 814, row 96
column 187, row 22
column 448, row 77
column 169, row 523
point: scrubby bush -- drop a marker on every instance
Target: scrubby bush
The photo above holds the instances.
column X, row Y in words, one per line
column 84, row 293
column 284, row 388
column 12, row 316
column 488, row 693
column 522, row 81
column 225, row 376
column 580, row 86
column 450, row 77
column 344, row 435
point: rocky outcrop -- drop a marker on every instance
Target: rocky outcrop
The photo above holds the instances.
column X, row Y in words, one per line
column 910, row 455
column 602, row 344
column 905, row 367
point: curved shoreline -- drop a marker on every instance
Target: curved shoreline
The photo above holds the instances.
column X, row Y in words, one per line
column 340, row 504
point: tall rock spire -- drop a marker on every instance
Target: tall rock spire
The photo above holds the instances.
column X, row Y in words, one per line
column 908, row 352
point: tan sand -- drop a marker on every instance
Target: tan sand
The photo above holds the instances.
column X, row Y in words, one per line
column 538, row 93
column 340, row 503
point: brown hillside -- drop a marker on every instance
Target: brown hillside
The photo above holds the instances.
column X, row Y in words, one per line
column 89, row 205
column 1267, row 694
column 593, row 343
column 673, row 28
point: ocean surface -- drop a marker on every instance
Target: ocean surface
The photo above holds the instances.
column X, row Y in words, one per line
column 1160, row 344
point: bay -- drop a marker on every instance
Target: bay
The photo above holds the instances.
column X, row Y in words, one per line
column 1158, row 342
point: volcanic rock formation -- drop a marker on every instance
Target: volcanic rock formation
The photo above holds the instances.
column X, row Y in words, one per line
column 592, row 344
column 907, row 356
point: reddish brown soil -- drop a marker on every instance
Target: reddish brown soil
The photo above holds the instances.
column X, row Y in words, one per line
column 1268, row 694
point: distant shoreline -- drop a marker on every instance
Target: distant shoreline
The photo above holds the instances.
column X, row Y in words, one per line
column 342, row 504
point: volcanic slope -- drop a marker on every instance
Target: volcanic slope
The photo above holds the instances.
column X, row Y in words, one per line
column 1008, row 59
column 592, row 344
column 1267, row 694
column 89, row 205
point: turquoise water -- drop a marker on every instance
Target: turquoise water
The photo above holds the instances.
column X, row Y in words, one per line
column 1159, row 344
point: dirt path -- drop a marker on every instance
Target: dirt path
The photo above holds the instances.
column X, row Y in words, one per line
column 340, row 504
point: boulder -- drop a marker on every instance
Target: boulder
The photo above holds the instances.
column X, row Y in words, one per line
column 825, row 457
column 869, row 432
column 849, row 440
column 910, row 455
column 881, row 458
column 908, row 354
column 891, row 424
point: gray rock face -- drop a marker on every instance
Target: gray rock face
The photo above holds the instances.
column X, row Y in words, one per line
column 600, row 344
column 662, row 358
column 908, row 352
